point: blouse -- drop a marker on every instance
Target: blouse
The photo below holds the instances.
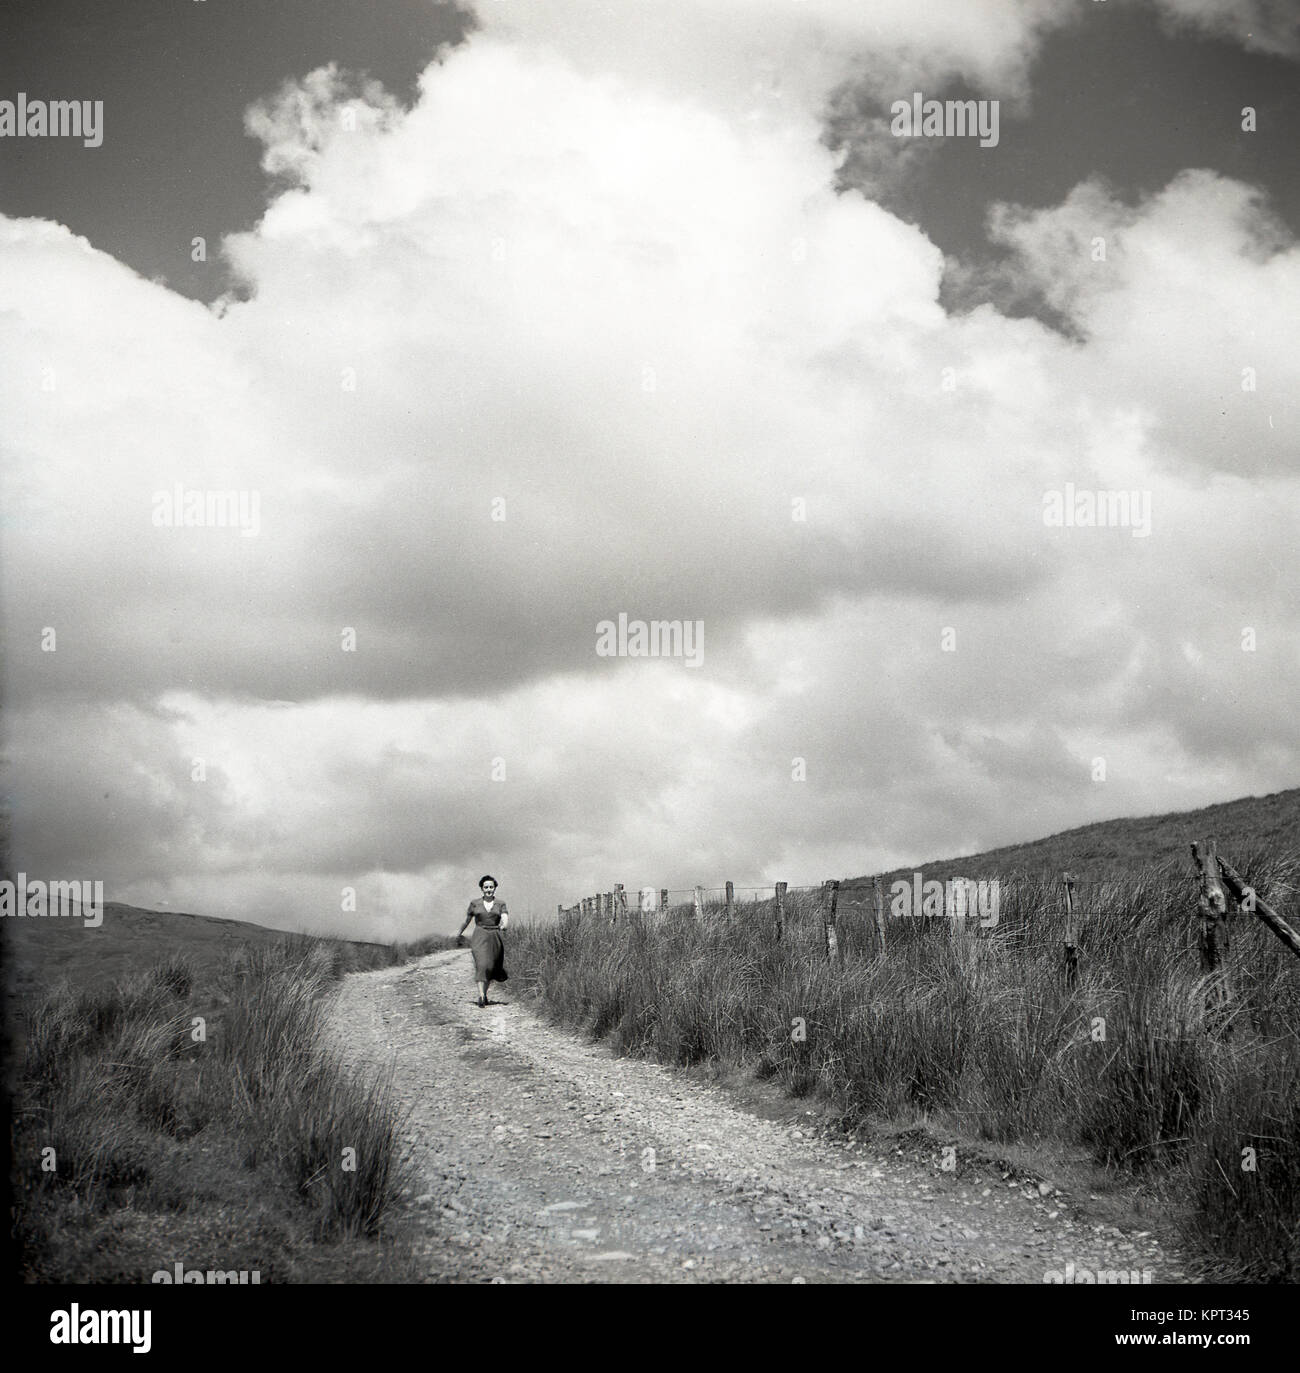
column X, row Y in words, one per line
column 483, row 918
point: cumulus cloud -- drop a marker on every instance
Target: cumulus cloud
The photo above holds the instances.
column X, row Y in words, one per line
column 577, row 334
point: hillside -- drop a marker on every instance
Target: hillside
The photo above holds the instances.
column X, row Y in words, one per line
column 1109, row 848
column 40, row 953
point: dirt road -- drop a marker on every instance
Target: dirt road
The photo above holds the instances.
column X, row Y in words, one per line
column 542, row 1158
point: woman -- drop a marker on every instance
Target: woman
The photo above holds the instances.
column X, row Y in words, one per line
column 490, row 917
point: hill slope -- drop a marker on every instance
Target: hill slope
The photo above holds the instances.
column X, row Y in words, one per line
column 1109, row 847
column 45, row 951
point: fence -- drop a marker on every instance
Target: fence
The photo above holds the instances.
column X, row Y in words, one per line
column 952, row 906
column 784, row 901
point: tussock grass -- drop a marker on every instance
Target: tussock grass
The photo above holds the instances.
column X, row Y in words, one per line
column 139, row 1142
column 981, row 1028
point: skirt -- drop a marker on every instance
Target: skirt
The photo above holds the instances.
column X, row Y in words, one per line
column 489, row 952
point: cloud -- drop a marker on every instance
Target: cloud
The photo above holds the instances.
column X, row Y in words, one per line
column 1187, row 302
column 745, row 53
column 1269, row 26
column 575, row 336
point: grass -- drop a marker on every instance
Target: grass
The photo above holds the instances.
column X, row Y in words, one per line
column 981, row 1032
column 203, row 1119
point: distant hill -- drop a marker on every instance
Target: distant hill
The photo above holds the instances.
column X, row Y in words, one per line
column 41, row 952
column 1109, row 848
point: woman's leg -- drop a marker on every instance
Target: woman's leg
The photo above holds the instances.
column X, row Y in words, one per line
column 482, row 993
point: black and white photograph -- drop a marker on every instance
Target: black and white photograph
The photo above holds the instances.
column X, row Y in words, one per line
column 651, row 643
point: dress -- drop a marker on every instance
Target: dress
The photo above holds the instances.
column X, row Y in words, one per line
column 486, row 944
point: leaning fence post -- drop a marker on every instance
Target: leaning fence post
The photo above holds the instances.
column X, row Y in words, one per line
column 1248, row 900
column 1071, row 934
column 880, row 913
column 699, row 903
column 780, row 908
column 828, row 921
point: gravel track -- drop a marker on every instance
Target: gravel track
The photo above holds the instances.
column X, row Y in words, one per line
column 530, row 1150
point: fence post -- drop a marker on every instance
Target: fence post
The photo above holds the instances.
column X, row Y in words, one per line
column 828, row 921
column 780, row 908
column 1071, row 934
column 880, row 913
column 955, row 897
column 699, row 903
column 559, row 910
column 731, row 900
column 663, row 900
column 1212, row 906
column 1247, row 898
column 618, row 903
column 1213, row 910
column 1248, row 901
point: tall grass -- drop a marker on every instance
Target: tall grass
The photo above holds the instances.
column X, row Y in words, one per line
column 160, row 1097
column 981, row 1028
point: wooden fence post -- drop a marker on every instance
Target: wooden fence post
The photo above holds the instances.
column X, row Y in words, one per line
column 618, row 903
column 1248, row 901
column 1212, row 906
column 699, row 903
column 1071, row 934
column 955, row 897
column 663, row 900
column 880, row 913
column 1213, row 910
column 828, row 921
column 780, row 908
column 731, row 900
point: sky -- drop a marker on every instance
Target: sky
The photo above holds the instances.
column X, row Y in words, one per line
column 505, row 321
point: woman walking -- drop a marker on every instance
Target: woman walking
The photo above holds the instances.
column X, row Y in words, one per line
column 489, row 917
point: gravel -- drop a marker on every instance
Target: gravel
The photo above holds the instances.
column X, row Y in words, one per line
column 540, row 1157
